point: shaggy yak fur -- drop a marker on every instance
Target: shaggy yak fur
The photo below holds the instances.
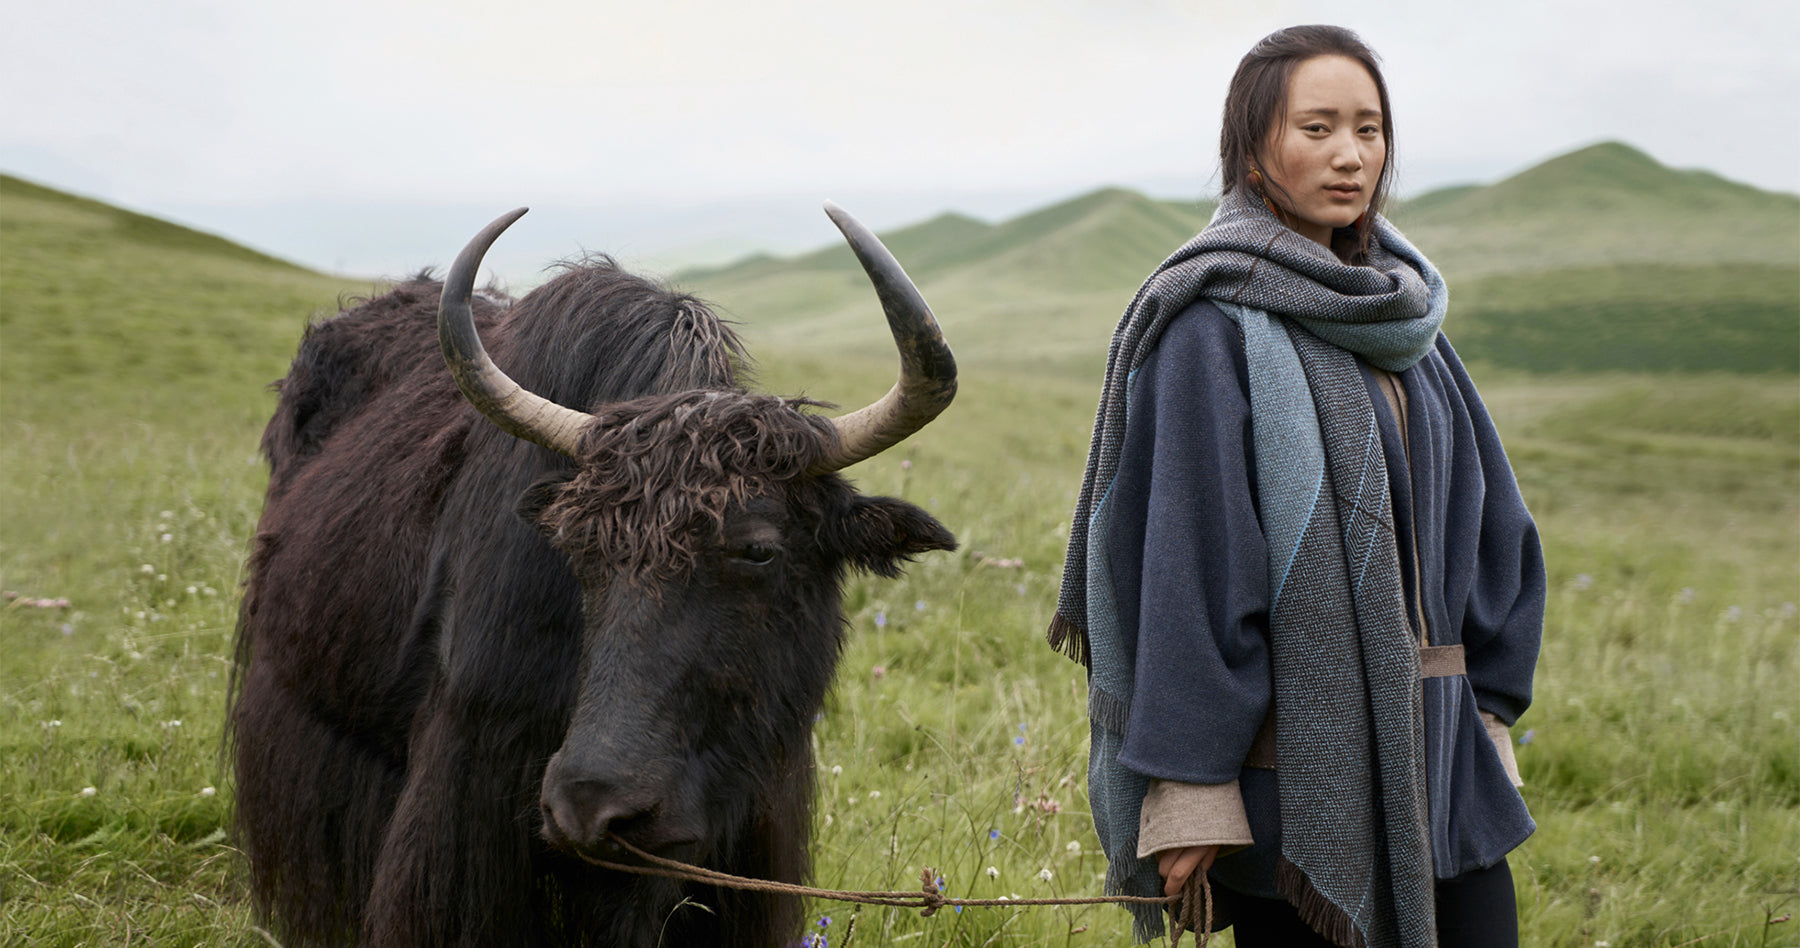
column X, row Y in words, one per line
column 461, row 657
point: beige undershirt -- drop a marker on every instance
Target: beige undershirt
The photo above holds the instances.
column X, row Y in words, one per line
column 1177, row 815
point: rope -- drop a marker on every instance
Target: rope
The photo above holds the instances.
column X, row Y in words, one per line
column 1184, row 908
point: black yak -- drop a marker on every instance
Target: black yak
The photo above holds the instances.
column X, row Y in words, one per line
column 469, row 651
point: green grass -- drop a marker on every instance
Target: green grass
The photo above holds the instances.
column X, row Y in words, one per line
column 1663, row 765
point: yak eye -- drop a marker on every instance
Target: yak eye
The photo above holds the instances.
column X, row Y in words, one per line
column 755, row 554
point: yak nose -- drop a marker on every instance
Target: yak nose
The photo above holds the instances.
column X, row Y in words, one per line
column 581, row 812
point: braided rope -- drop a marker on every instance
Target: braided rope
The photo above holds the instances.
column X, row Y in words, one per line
column 1183, row 907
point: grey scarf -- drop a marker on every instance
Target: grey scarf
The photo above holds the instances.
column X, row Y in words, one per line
column 1355, row 859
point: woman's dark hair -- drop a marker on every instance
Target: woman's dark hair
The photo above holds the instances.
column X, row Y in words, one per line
column 1258, row 97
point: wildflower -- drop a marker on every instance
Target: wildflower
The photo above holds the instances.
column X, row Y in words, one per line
column 993, row 834
column 208, row 591
column 824, row 920
column 207, row 791
column 68, row 629
column 1583, row 581
column 88, row 791
column 168, row 537
column 837, row 770
column 174, row 723
column 881, row 619
column 1594, row 859
column 52, row 723
column 147, row 569
column 874, row 794
column 993, row 872
column 1045, row 875
column 878, row 672
column 919, row 606
column 1733, row 613
column 1074, row 847
column 168, row 515
column 1527, row 737
column 193, row 590
column 906, row 465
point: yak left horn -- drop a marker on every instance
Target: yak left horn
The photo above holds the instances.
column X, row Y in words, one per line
column 927, row 380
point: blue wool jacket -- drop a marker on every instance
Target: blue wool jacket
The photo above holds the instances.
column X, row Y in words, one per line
column 1189, row 566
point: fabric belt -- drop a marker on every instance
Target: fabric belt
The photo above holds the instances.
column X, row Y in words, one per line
column 1435, row 661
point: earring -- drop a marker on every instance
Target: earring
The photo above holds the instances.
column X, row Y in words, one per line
column 1255, row 180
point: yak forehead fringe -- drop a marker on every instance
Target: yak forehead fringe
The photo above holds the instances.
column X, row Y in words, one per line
column 596, row 334
column 657, row 474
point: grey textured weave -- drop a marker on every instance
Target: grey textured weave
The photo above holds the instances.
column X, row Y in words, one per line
column 1355, row 858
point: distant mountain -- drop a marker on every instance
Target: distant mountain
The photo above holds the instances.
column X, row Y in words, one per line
column 1601, row 259
column 1604, row 204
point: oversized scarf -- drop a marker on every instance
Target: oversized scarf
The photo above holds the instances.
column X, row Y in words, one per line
column 1355, row 856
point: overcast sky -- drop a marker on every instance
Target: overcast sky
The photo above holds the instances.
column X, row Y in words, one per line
column 369, row 135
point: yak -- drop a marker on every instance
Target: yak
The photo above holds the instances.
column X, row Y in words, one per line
column 493, row 623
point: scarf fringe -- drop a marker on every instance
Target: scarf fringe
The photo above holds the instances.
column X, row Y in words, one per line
column 1068, row 638
column 1315, row 909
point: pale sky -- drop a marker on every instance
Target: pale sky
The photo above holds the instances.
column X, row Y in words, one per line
column 370, row 136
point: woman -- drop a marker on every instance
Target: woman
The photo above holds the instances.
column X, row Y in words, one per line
column 1300, row 571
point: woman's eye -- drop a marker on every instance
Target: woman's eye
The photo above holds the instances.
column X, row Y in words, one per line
column 755, row 555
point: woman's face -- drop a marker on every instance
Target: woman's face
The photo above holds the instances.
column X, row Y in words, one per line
column 1326, row 153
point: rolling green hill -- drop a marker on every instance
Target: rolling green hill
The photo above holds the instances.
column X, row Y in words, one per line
column 111, row 314
column 1601, row 259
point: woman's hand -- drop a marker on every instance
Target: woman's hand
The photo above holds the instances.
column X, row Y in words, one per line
column 1176, row 865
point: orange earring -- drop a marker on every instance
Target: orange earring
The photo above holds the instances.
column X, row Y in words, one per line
column 1255, row 179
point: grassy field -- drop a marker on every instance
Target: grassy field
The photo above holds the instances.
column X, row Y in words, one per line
column 1662, row 756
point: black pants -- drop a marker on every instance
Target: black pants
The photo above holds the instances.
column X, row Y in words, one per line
column 1474, row 910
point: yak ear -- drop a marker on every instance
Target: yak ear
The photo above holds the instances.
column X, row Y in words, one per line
column 878, row 534
column 540, row 495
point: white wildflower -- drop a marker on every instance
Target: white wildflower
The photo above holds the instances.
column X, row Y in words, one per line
column 207, row 791
column 993, row 872
column 1045, row 875
column 88, row 791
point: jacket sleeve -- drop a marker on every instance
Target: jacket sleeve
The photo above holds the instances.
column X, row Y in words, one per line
column 1500, row 572
column 1189, row 559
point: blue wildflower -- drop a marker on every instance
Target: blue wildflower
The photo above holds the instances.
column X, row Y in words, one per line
column 881, row 619
column 1527, row 737
column 993, row 834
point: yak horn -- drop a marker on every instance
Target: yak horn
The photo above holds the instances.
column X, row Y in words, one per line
column 927, row 380
column 509, row 406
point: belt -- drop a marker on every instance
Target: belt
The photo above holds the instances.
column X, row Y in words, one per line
column 1435, row 661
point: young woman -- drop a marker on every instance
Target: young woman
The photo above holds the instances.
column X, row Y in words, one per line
column 1300, row 572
